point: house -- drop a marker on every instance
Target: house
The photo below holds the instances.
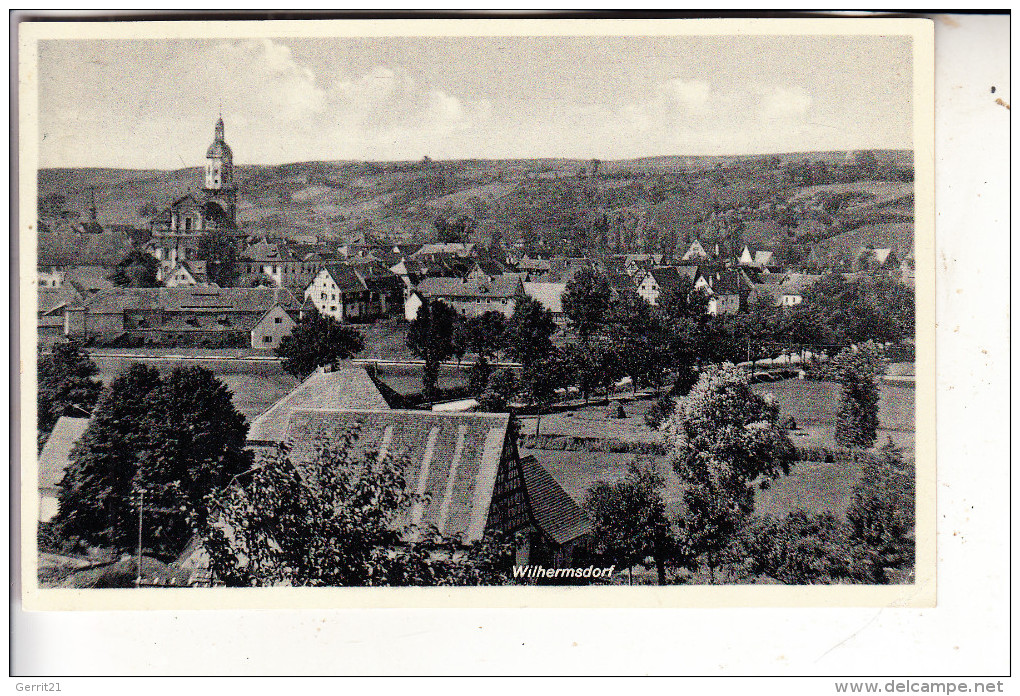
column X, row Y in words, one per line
column 460, row 249
column 695, row 252
column 467, row 297
column 465, row 466
column 550, row 296
column 488, row 269
column 632, row 263
column 276, row 323
column 356, row 292
column 658, row 282
column 89, row 280
column 341, row 386
column 176, row 314
column 620, row 283
column 52, row 310
column 285, row 266
column 54, row 460
column 727, row 293
column 761, row 258
column 534, row 270
column 870, row 258
column 190, row 274
column 50, row 276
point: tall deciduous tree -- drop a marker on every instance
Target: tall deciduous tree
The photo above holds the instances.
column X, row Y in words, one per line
column 316, row 341
column 725, row 441
column 586, row 303
column 178, row 438
column 196, row 446
column 97, row 497
column 629, row 520
column 859, row 372
column 66, row 385
column 487, row 333
column 430, row 337
column 636, row 335
column 529, row 331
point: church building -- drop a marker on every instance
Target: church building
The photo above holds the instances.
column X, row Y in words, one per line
column 177, row 230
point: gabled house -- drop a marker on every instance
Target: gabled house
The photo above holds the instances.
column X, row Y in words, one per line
column 270, row 329
column 465, row 466
column 341, row 386
column 467, row 297
column 176, row 314
column 658, row 282
column 550, row 296
column 696, row 251
column 190, row 274
column 355, row 292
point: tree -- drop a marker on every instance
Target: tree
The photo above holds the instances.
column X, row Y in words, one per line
column 586, row 303
column 196, row 446
column 66, row 385
column 875, row 308
column 801, row 549
column 219, row 251
column 478, row 375
column 635, row 334
column 487, row 333
column 857, row 420
column 430, row 337
column 337, row 521
column 498, row 392
column 881, row 514
column 629, row 520
column 136, row 270
column 529, row 331
column 543, row 377
column 685, row 301
column 725, row 441
column 318, row 340
column 98, row 502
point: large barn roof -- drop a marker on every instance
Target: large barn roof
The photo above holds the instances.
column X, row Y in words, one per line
column 451, row 458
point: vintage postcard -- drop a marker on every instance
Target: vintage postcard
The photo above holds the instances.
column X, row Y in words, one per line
column 529, row 313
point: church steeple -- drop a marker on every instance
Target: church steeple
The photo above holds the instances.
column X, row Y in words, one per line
column 219, row 162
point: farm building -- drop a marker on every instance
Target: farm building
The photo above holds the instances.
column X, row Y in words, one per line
column 356, row 292
column 468, row 298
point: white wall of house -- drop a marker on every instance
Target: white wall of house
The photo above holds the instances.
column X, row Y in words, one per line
column 268, row 333
column 325, row 295
column 649, row 290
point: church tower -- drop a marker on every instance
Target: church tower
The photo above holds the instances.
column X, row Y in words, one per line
column 219, row 163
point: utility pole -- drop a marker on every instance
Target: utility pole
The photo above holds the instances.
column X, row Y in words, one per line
column 141, row 503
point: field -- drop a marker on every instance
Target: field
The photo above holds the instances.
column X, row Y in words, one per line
column 596, row 422
column 814, row 405
column 812, row 486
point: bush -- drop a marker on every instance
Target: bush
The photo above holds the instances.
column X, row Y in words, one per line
column 660, row 411
column 787, row 423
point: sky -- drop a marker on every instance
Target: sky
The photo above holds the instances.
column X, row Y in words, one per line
column 149, row 104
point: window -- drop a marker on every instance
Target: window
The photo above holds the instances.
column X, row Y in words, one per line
column 333, row 308
column 277, row 320
column 267, row 339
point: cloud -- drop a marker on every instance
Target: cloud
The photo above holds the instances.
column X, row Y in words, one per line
column 787, row 101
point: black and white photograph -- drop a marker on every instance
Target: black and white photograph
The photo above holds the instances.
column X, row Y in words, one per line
column 544, row 312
